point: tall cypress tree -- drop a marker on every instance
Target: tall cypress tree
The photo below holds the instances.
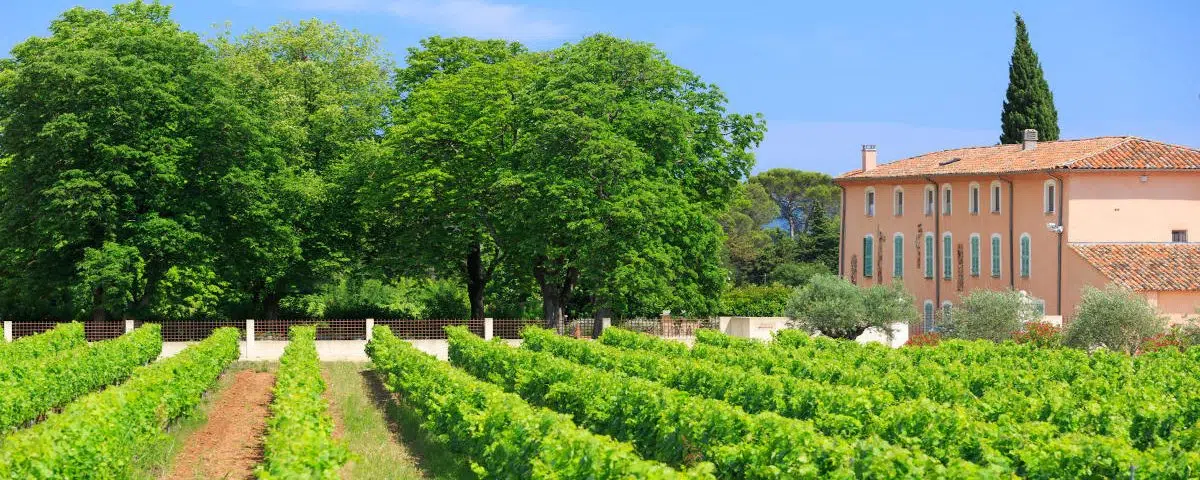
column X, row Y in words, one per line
column 1028, row 102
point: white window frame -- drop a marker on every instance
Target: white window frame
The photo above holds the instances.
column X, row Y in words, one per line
column 898, row 201
column 930, row 200
column 995, row 196
column 930, row 256
column 1025, row 260
column 973, row 198
column 898, row 255
column 869, row 200
column 1050, row 198
column 997, row 255
column 976, row 245
column 947, row 199
column 947, row 256
column 928, row 313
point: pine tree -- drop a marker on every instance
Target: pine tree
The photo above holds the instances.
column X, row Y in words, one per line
column 1028, row 103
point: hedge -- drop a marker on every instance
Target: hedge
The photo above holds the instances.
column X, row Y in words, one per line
column 34, row 387
column 62, row 337
column 503, row 436
column 299, row 441
column 99, row 435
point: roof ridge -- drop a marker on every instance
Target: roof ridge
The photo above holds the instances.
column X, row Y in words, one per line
column 977, row 147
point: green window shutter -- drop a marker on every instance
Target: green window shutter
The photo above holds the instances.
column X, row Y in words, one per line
column 947, row 257
column 929, row 255
column 975, row 256
column 898, row 257
column 995, row 256
column 868, row 256
column 1025, row 256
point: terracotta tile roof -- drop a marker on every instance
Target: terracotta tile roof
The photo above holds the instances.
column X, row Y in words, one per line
column 1146, row 266
column 1109, row 153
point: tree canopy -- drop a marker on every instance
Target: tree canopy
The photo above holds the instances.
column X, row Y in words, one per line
column 1028, row 102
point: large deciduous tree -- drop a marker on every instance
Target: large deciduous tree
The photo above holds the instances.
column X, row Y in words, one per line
column 115, row 126
column 623, row 164
column 454, row 128
column 798, row 192
column 324, row 93
column 1028, row 102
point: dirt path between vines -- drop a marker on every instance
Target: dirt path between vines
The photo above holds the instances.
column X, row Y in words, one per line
column 229, row 446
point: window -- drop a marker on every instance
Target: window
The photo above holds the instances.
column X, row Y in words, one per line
column 973, row 199
column 928, row 324
column 870, row 202
column 898, row 201
column 995, row 197
column 929, row 255
column 1179, row 236
column 1025, row 247
column 868, row 256
column 996, row 255
column 947, row 257
column 930, row 199
column 898, row 256
column 946, row 309
column 975, row 255
column 1049, row 199
column 1039, row 308
column 946, row 197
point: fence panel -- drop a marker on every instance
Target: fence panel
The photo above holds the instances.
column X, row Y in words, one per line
column 508, row 328
column 195, row 330
column 28, row 328
column 427, row 329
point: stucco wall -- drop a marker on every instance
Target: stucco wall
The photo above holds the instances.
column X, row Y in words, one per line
column 1119, row 207
column 1176, row 305
column 1077, row 273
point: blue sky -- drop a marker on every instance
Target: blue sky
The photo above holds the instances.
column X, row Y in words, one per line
column 828, row 76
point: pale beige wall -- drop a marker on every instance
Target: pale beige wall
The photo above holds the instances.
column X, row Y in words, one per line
column 1077, row 273
column 1176, row 305
column 1119, row 207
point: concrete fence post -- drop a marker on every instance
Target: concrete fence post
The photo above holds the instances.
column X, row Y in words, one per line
column 605, row 323
column 128, row 326
column 249, row 337
column 489, row 326
column 370, row 328
column 8, row 330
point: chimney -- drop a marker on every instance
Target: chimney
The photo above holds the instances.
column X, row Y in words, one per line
column 869, row 157
column 1030, row 139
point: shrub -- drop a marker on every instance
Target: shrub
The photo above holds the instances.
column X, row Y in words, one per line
column 924, row 340
column 836, row 308
column 889, row 304
column 299, row 441
column 1039, row 334
column 1115, row 318
column 989, row 315
column 755, row 301
column 796, row 274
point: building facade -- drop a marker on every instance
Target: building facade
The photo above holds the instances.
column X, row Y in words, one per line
column 1046, row 218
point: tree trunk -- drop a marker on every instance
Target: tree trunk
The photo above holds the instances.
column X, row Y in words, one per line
column 271, row 306
column 602, row 311
column 98, row 304
column 552, row 305
column 476, row 280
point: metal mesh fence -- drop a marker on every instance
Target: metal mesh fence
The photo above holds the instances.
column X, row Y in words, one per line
column 667, row 327
column 25, row 329
column 196, row 330
column 427, row 329
column 327, row 329
column 92, row 331
column 508, row 328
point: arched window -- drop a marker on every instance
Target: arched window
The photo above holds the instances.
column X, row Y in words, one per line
column 898, row 201
column 868, row 256
column 1049, row 201
column 930, row 199
column 995, row 197
column 947, row 256
column 869, row 202
column 947, row 200
column 928, row 320
column 975, row 254
column 973, row 198
column 946, row 309
column 996, row 255
column 898, row 255
column 929, row 255
column 1025, row 254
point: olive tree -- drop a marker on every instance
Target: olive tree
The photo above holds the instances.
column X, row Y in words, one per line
column 836, row 308
column 1115, row 318
column 989, row 314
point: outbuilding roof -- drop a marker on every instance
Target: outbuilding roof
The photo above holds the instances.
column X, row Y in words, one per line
column 1146, row 267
